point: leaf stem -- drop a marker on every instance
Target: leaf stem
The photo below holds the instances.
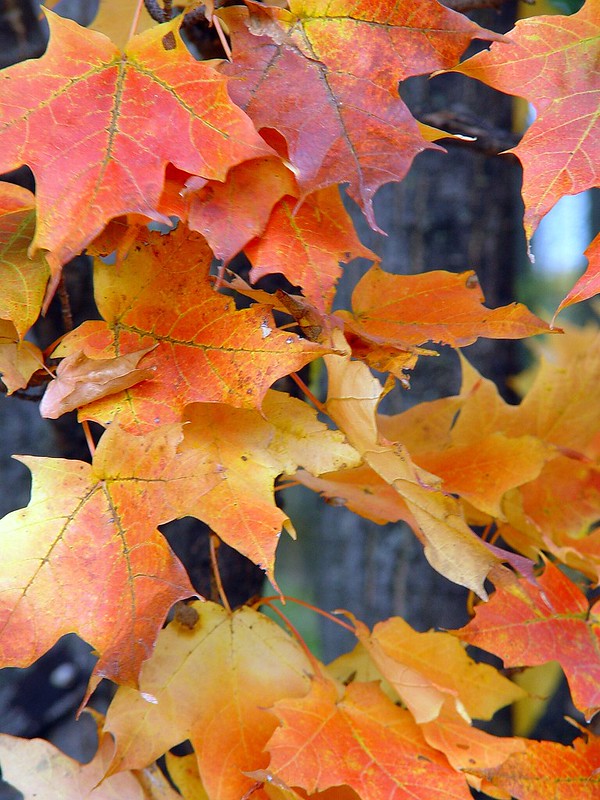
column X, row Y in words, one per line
column 213, row 544
column 135, row 20
column 316, row 665
column 299, row 382
column 88, row 437
column 316, row 609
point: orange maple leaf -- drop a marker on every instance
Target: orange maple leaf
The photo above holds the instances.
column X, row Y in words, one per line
column 85, row 555
column 204, row 350
column 212, row 683
column 549, row 769
column 94, row 166
column 360, row 739
column 251, row 449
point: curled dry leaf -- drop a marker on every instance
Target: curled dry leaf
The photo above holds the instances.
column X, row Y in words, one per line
column 80, row 380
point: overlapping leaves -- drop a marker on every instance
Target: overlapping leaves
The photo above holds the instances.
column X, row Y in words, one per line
column 161, row 137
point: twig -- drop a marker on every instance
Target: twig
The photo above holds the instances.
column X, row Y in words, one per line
column 88, row 437
column 154, row 9
column 65, row 305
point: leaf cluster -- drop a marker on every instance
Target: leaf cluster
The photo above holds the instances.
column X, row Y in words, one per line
column 180, row 378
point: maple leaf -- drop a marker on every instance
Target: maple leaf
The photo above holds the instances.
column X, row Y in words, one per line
column 361, row 490
column 80, row 380
column 527, row 625
column 346, row 59
column 37, row 768
column 552, row 61
column 428, row 670
column 18, row 359
column 183, row 771
column 361, row 740
column 204, row 350
column 353, row 396
column 233, row 213
column 589, row 284
column 308, row 244
column 251, row 450
column 22, row 280
column 85, row 555
column 246, row 663
column 548, row 769
column 95, row 166
column 437, row 306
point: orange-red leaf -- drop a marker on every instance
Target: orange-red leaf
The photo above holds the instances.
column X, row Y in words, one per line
column 589, row 284
column 231, row 214
column 362, row 740
column 94, row 166
column 204, row 350
column 526, row 625
column 552, row 61
column 346, row 60
column 22, row 280
column 251, row 450
column 85, row 555
column 446, row 307
column 212, row 684
column 550, row 770
column 307, row 244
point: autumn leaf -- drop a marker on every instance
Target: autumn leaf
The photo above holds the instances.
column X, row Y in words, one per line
column 80, row 380
column 95, row 166
column 362, row 491
column 429, row 670
column 18, row 359
column 183, row 771
column 307, row 244
column 588, row 284
column 528, row 625
column 549, row 769
column 38, row 769
column 552, row 61
column 362, row 740
column 85, row 555
column 22, row 280
column 203, row 349
column 346, row 60
column 353, row 396
column 252, row 450
column 233, row 213
column 445, row 307
column 211, row 684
